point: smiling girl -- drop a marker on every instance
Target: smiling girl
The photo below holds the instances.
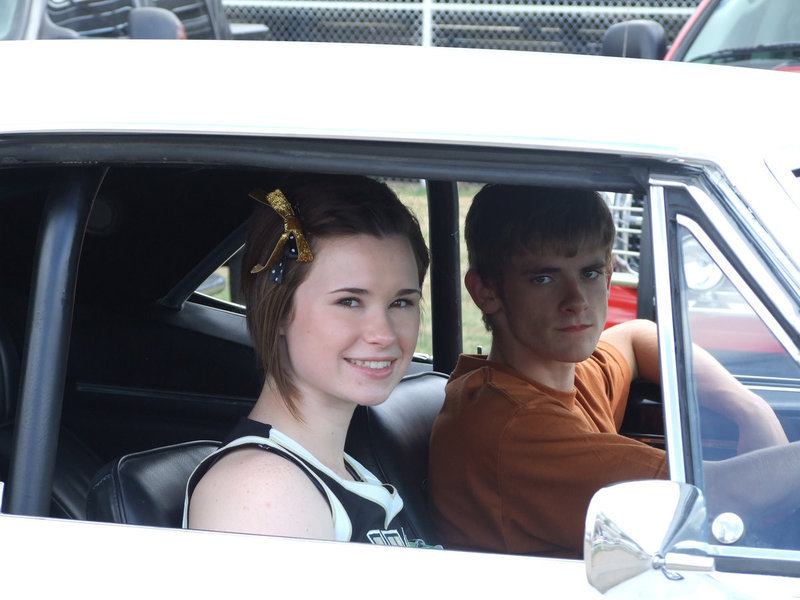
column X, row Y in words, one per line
column 333, row 271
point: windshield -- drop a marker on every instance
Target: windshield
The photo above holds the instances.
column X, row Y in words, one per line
column 9, row 10
column 748, row 24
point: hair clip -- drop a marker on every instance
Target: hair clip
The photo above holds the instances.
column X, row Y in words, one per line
column 292, row 243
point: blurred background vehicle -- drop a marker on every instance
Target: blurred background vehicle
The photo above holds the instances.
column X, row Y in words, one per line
column 56, row 19
column 747, row 33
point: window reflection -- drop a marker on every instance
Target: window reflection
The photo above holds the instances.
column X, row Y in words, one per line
column 723, row 322
column 719, row 320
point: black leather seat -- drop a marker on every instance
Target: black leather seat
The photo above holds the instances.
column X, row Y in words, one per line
column 147, row 488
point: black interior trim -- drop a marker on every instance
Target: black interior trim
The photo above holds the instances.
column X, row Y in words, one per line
column 44, row 360
column 191, row 281
column 756, row 566
column 438, row 162
column 445, row 274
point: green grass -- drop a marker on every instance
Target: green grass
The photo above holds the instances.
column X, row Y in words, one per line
column 473, row 332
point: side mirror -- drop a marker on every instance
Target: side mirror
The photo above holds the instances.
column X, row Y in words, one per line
column 641, row 526
column 635, row 39
column 153, row 23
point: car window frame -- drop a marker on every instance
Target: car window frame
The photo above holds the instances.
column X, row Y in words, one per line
column 443, row 162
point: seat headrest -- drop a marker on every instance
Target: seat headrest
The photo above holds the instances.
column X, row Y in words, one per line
column 635, row 39
column 153, row 23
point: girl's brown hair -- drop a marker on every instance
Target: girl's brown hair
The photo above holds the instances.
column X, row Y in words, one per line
column 327, row 206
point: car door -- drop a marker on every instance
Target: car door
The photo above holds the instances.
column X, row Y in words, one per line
column 722, row 284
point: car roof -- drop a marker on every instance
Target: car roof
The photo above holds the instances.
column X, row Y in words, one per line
column 384, row 93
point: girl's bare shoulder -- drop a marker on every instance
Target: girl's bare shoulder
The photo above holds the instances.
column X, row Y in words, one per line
column 254, row 491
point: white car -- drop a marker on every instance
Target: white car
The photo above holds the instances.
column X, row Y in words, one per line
column 124, row 171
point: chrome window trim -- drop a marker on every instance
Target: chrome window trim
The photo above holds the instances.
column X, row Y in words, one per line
column 732, row 234
column 720, row 551
column 738, row 282
column 751, row 222
column 783, row 169
column 666, row 336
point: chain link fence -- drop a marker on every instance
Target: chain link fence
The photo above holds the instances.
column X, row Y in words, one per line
column 574, row 26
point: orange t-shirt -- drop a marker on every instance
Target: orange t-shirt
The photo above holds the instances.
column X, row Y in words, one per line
column 513, row 463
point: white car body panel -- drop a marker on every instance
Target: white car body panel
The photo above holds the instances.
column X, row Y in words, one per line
column 150, row 562
column 138, row 562
column 441, row 96
column 240, row 87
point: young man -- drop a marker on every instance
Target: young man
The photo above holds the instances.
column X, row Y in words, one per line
column 528, row 433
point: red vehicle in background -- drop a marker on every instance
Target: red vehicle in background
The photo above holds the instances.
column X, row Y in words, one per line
column 747, row 33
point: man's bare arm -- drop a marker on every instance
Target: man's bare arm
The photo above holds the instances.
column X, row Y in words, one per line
column 717, row 389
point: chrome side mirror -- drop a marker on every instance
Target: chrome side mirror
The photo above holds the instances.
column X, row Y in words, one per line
column 639, row 526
